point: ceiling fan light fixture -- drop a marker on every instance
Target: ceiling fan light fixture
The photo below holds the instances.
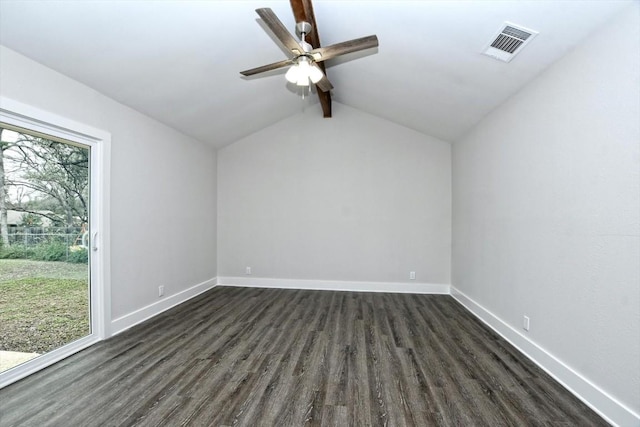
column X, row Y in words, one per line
column 292, row 74
column 303, row 80
column 304, row 72
column 315, row 74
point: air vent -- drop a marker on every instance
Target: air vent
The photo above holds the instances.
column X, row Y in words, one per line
column 509, row 41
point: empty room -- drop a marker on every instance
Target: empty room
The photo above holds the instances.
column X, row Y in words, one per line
column 331, row 213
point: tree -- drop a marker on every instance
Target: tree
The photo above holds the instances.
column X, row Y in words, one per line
column 59, row 172
column 31, row 220
column 54, row 173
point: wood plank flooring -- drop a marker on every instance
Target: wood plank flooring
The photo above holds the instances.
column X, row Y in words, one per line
column 272, row 357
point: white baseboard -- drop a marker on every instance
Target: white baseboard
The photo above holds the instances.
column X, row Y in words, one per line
column 332, row 285
column 128, row 320
column 597, row 399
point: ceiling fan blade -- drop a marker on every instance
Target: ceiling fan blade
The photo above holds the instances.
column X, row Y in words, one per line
column 279, row 30
column 324, row 84
column 267, row 67
column 337, row 49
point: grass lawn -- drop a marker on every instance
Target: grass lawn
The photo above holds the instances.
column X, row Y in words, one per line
column 43, row 305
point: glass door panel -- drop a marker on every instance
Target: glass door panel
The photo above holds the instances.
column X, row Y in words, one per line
column 45, row 296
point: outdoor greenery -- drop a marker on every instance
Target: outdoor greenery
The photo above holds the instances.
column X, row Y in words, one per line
column 43, row 305
column 31, row 220
column 53, row 251
column 43, row 178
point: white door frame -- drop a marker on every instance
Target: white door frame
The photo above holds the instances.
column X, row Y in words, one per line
column 25, row 116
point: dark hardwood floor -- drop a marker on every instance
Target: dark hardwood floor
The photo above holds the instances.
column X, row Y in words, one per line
column 269, row 357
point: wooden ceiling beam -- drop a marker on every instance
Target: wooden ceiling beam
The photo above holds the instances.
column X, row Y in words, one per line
column 303, row 11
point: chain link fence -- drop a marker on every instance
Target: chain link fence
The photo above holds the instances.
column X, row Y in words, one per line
column 33, row 236
column 47, row 243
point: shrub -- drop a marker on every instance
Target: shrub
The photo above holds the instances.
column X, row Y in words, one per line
column 78, row 255
column 53, row 251
column 16, row 252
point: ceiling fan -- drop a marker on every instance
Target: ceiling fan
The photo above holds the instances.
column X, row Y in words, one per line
column 305, row 60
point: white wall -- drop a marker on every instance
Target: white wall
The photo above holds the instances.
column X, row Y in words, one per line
column 163, row 187
column 351, row 198
column 547, row 209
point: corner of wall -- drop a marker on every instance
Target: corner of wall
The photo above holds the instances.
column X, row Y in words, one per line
column 607, row 406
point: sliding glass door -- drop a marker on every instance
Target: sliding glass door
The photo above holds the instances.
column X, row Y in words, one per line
column 54, row 251
column 45, row 267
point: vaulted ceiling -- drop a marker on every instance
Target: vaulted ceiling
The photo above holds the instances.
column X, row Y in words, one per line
column 179, row 61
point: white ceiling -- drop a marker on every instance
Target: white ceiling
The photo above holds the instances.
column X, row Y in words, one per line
column 179, row 61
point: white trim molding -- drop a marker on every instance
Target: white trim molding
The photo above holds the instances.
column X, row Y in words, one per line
column 608, row 407
column 127, row 321
column 333, row 285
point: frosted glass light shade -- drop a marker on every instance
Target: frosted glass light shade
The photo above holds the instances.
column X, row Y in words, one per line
column 293, row 73
column 303, row 73
column 315, row 74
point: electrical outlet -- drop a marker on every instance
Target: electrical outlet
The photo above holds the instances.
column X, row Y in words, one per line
column 247, row 271
column 525, row 323
column 160, row 291
column 412, row 275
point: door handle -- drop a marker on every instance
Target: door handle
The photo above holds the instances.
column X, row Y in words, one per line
column 94, row 241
